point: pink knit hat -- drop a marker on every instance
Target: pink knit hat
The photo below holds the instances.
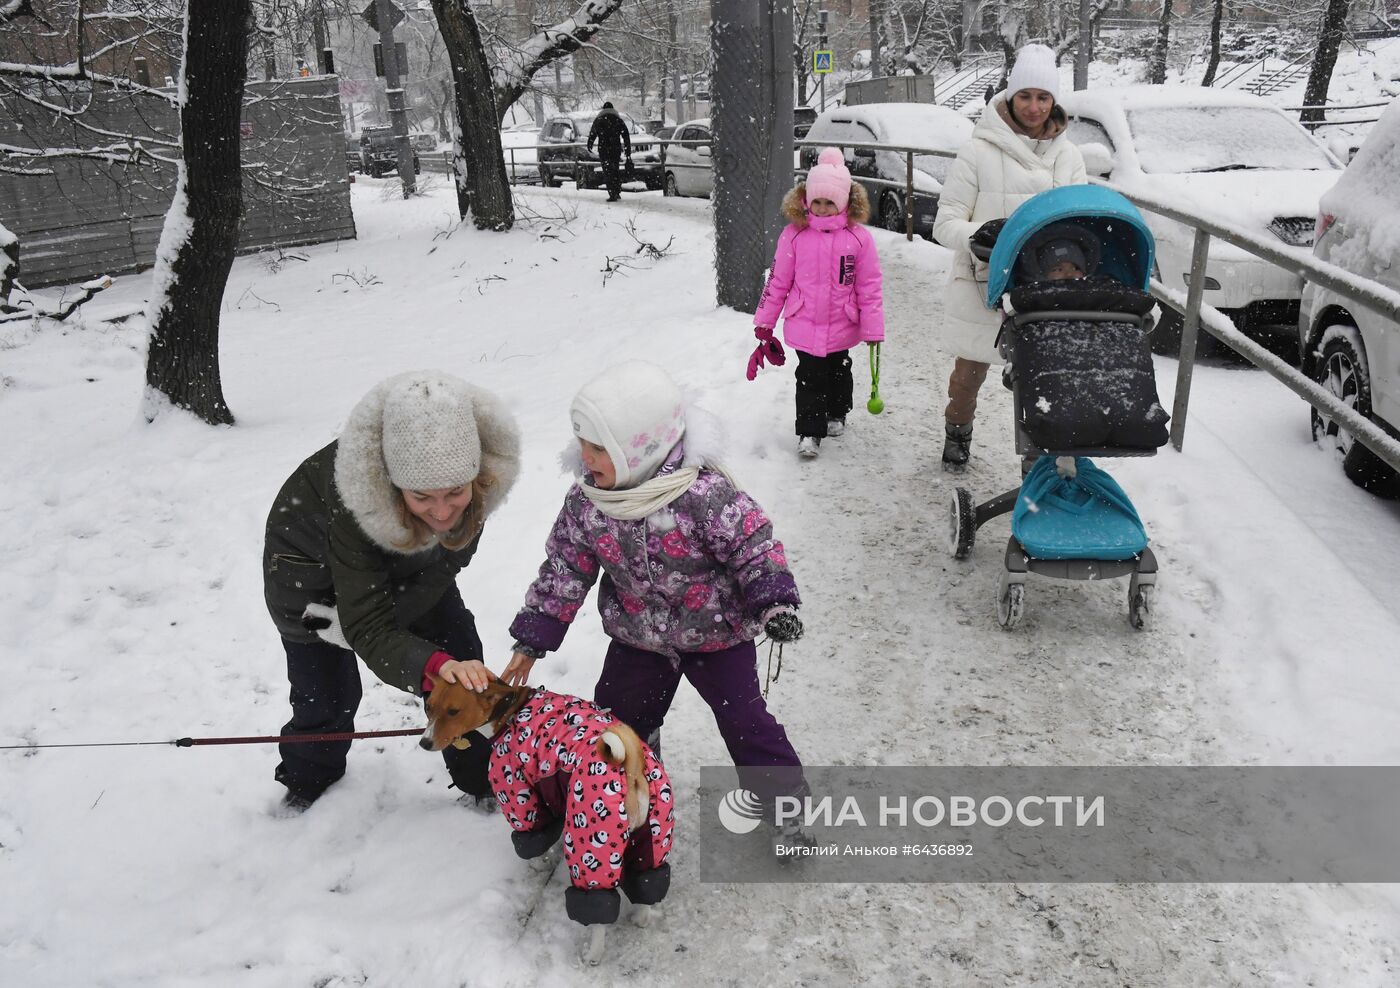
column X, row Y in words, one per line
column 829, row 179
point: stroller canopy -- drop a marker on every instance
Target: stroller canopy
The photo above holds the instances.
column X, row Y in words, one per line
column 1125, row 242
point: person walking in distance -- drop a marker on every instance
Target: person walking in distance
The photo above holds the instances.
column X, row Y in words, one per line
column 609, row 132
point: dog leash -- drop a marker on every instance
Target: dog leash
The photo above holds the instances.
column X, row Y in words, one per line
column 263, row 739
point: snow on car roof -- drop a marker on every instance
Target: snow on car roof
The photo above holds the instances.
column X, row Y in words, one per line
column 908, row 124
column 1139, row 97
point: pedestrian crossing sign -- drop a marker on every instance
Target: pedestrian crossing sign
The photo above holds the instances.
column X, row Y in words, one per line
column 821, row 61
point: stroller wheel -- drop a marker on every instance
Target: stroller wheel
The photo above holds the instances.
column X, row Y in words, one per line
column 1011, row 601
column 1140, row 603
column 962, row 526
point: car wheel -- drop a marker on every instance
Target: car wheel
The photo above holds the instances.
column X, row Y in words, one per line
column 891, row 213
column 547, row 178
column 581, row 177
column 670, row 189
column 1343, row 372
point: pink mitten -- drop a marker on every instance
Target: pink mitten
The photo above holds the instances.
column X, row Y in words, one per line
column 755, row 362
column 772, row 349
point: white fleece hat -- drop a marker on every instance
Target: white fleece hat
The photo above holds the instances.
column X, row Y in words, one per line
column 1034, row 69
column 430, row 437
column 635, row 412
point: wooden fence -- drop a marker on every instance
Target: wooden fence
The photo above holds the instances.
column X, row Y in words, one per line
column 89, row 218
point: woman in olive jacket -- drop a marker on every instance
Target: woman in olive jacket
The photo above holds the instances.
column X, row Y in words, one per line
column 364, row 543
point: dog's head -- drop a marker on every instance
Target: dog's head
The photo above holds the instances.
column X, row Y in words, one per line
column 455, row 711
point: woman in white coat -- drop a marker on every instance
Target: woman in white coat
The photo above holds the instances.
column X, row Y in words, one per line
column 1018, row 149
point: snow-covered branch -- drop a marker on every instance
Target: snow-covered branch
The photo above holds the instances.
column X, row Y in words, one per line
column 11, row 9
column 514, row 72
column 76, row 72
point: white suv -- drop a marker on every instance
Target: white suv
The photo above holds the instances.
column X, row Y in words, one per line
column 1353, row 351
column 1224, row 154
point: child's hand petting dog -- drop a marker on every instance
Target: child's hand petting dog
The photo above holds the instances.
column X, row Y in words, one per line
column 518, row 670
column 471, row 674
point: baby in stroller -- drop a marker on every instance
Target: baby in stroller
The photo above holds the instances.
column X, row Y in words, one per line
column 1070, row 271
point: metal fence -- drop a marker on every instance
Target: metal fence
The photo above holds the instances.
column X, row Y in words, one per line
column 1196, row 314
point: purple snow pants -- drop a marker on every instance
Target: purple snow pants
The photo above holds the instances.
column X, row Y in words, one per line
column 638, row 686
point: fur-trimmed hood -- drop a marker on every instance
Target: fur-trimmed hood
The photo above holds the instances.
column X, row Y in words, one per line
column 795, row 205
column 362, row 476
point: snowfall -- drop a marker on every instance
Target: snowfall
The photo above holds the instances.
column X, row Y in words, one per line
column 131, row 610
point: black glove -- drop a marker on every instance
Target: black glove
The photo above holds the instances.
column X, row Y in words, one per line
column 784, row 626
column 984, row 238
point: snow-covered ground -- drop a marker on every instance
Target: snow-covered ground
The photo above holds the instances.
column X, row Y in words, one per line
column 131, row 610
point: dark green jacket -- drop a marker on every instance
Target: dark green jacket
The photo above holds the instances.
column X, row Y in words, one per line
column 316, row 552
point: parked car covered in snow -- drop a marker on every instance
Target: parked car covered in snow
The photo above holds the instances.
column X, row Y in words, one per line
column 518, row 145
column 1351, row 350
column 559, row 161
column 884, row 173
column 688, row 166
column 1224, row 154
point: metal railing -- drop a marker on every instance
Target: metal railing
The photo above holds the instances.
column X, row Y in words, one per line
column 516, row 169
column 907, row 185
column 1196, row 313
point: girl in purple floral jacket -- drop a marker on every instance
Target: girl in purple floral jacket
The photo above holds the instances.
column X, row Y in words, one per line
column 691, row 573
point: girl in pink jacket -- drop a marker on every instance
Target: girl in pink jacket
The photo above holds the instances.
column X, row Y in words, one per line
column 826, row 284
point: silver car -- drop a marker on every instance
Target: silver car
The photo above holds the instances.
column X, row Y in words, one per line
column 688, row 168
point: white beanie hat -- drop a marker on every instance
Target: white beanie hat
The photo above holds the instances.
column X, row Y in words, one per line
column 635, row 412
column 1034, row 69
column 830, row 179
column 430, row 437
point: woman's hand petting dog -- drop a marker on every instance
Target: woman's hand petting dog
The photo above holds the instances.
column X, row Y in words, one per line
column 518, row 670
column 471, row 674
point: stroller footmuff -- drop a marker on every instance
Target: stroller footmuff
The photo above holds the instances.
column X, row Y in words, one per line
column 1073, row 266
column 1080, row 362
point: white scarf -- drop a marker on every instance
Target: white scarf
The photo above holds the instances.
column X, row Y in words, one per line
column 651, row 496
column 644, row 499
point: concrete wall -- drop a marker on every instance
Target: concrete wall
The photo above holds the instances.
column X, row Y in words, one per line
column 89, row 218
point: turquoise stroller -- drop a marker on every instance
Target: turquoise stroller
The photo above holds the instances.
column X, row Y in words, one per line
column 1080, row 372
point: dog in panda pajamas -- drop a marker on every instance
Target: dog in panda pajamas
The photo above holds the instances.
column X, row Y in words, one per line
column 562, row 767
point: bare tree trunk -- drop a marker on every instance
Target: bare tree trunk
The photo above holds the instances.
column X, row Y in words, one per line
column 1157, row 67
column 483, row 189
column 1217, row 14
column 201, row 230
column 1084, row 51
column 9, row 265
column 1334, row 23
column 875, row 69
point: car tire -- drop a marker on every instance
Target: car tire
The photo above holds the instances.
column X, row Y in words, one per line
column 891, row 213
column 547, row 178
column 670, row 190
column 581, row 177
column 1342, row 371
